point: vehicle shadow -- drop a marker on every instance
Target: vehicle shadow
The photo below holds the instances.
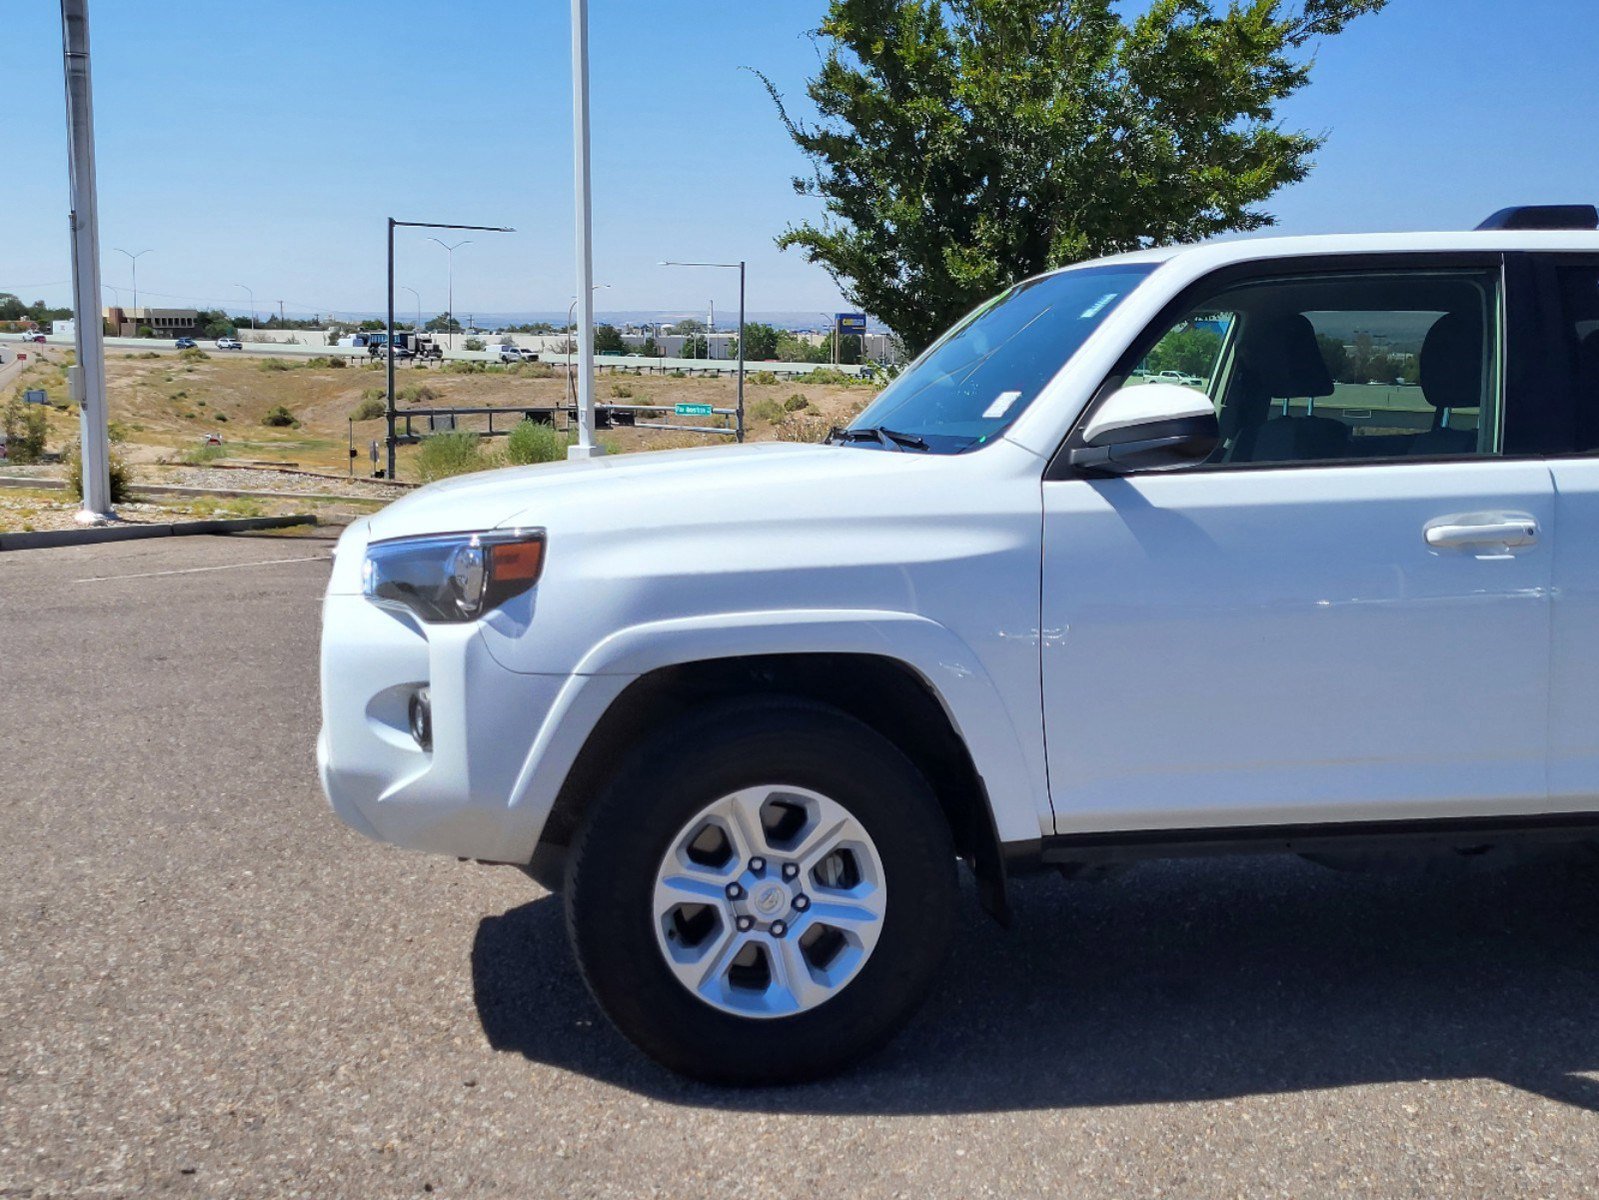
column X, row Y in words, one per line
column 1176, row 981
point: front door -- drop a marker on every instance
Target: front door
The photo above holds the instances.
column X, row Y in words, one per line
column 1345, row 615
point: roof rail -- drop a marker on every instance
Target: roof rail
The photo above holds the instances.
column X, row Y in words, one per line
column 1544, row 216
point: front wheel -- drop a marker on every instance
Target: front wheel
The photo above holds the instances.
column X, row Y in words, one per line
column 763, row 894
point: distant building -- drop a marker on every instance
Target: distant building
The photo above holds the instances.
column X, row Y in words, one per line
column 163, row 322
column 64, row 328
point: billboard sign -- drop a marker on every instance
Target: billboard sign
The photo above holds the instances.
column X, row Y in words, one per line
column 851, row 322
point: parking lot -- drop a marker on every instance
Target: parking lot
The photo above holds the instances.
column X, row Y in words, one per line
column 208, row 986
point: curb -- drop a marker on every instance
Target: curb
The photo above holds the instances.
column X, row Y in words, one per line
column 125, row 533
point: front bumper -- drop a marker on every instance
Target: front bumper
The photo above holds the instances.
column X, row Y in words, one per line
column 475, row 793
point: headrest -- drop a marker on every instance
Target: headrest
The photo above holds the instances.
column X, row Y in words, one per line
column 1451, row 361
column 1281, row 350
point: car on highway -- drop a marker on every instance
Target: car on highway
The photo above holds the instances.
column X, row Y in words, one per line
column 228, row 343
column 745, row 707
column 186, row 343
column 30, row 335
column 400, row 352
column 1178, row 377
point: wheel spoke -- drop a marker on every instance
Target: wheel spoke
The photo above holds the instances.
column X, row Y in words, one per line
column 854, row 913
column 823, row 839
column 742, row 812
column 792, row 976
column 683, row 888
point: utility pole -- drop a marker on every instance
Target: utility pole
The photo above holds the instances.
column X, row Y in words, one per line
column 450, row 301
column 280, row 312
column 84, row 222
column 585, row 447
column 739, row 266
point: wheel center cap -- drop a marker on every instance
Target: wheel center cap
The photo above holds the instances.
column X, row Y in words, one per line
column 769, row 899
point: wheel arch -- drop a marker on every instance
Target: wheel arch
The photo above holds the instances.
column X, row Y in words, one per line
column 882, row 691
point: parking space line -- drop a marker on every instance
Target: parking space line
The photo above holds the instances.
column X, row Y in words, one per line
column 271, row 562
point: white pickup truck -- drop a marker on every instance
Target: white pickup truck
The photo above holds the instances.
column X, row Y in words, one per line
column 747, row 706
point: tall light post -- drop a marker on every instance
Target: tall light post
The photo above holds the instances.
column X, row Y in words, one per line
column 571, row 309
column 450, row 301
column 251, row 294
column 418, row 296
column 134, row 259
column 389, row 343
column 739, row 266
column 83, row 221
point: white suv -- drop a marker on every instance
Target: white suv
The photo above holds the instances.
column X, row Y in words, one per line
column 746, row 706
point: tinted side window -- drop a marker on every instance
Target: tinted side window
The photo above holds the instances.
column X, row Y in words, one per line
column 1343, row 366
column 1578, row 337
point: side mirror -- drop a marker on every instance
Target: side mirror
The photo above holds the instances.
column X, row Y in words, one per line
column 1148, row 427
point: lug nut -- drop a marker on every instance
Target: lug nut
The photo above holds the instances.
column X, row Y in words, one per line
column 757, row 864
column 734, row 891
column 790, row 870
column 802, row 902
column 745, row 923
column 779, row 929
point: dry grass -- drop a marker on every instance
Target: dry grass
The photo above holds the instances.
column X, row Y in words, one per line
column 164, row 407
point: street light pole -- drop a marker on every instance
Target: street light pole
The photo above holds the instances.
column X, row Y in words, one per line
column 450, row 298
column 84, row 222
column 740, row 267
column 389, row 343
column 134, row 259
column 251, row 294
column 570, row 309
column 418, row 296
column 585, row 447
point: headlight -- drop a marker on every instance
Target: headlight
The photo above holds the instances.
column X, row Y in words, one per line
column 454, row 577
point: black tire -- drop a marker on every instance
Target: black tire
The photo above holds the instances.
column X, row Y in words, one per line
column 662, row 784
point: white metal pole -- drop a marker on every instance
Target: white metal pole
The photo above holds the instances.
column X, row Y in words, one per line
column 84, row 223
column 585, row 447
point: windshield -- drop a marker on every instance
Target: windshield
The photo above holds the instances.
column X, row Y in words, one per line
column 982, row 374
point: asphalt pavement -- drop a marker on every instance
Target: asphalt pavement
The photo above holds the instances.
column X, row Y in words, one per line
column 208, row 987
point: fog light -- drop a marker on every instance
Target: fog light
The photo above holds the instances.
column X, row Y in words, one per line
column 421, row 712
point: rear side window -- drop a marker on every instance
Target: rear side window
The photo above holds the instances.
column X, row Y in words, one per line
column 1578, row 338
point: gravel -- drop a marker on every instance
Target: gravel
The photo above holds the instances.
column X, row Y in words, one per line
column 288, row 483
column 208, row 987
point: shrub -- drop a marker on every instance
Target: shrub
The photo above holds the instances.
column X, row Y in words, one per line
column 766, row 377
column 531, row 442
column 26, row 428
column 796, row 402
column 191, row 355
column 621, row 391
column 221, row 417
column 417, row 393
column 317, row 360
column 119, row 472
column 370, row 408
column 198, row 456
column 538, row 370
column 462, row 367
column 274, row 364
column 444, row 454
column 474, row 344
column 337, row 362
column 280, row 418
column 766, row 410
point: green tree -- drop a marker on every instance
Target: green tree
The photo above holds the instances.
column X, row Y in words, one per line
column 650, row 349
column 760, row 341
column 443, row 323
column 1192, row 350
column 693, row 347
column 965, row 144
column 608, row 340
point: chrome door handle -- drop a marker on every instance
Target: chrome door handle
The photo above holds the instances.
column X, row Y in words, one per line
column 1521, row 531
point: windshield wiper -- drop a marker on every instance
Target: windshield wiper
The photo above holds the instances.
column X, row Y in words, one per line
column 892, row 439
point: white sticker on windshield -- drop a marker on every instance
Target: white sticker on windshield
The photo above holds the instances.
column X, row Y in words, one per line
column 1093, row 309
column 1001, row 405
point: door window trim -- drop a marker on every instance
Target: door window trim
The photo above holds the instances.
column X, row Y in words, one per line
column 1061, row 468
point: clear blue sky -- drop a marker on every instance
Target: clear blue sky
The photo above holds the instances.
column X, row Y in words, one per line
column 238, row 142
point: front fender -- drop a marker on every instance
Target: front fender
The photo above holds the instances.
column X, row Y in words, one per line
column 1013, row 779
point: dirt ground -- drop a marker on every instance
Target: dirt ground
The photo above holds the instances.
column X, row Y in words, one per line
column 162, row 407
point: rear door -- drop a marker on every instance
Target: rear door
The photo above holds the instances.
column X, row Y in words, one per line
column 1564, row 290
column 1344, row 616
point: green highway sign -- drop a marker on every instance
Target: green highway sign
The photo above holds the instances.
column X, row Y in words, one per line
column 692, row 410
